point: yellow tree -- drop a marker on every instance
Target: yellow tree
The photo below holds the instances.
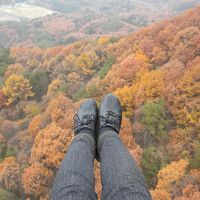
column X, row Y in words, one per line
column 169, row 178
column 69, row 61
column 103, row 40
column 17, row 88
column 54, row 87
column 141, row 56
column 150, row 87
column 86, row 61
column 126, row 96
column 185, row 98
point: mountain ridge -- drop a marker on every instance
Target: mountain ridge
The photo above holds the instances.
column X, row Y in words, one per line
column 85, row 19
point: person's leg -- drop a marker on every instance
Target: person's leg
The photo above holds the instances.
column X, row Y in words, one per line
column 75, row 178
column 121, row 179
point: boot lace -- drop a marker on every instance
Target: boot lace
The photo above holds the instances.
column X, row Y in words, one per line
column 86, row 120
column 112, row 119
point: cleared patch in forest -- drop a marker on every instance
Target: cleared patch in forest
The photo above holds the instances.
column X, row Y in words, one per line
column 26, row 11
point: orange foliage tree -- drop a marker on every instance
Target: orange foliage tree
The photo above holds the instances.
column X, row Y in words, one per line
column 37, row 181
column 181, row 142
column 158, row 56
column 2, row 99
column 86, row 61
column 150, row 86
column 50, row 145
column 185, row 98
column 16, row 69
column 159, row 194
column 73, row 77
column 61, row 110
column 126, row 95
column 126, row 135
column 103, row 40
column 35, row 125
column 169, row 178
column 190, row 192
column 10, row 174
column 125, row 72
column 54, row 87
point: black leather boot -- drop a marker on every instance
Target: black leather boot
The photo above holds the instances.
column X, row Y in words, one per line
column 110, row 117
column 110, row 114
column 85, row 120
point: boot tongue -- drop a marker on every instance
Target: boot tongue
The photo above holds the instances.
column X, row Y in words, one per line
column 110, row 120
column 86, row 122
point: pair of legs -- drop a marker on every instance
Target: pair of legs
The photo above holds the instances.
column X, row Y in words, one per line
column 121, row 179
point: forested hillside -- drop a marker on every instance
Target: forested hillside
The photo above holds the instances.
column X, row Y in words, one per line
column 156, row 74
column 66, row 21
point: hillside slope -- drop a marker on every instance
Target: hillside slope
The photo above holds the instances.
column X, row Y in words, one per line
column 80, row 19
column 156, row 74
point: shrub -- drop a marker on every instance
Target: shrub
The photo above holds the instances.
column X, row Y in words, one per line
column 32, row 109
column 5, row 195
column 5, row 151
column 195, row 161
column 5, row 60
column 107, row 65
column 150, row 164
column 79, row 94
column 155, row 119
column 57, row 86
column 9, row 129
column 39, row 81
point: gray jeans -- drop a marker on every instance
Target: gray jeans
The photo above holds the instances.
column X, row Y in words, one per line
column 121, row 179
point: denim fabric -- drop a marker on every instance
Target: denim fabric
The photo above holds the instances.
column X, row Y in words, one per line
column 121, row 179
column 75, row 178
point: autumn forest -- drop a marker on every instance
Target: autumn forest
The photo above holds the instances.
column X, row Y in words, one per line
column 156, row 74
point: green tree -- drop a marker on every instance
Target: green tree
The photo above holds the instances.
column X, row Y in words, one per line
column 150, row 164
column 5, row 195
column 5, row 151
column 155, row 119
column 39, row 81
column 106, row 67
column 5, row 60
column 195, row 161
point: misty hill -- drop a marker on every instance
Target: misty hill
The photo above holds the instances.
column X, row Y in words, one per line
column 81, row 19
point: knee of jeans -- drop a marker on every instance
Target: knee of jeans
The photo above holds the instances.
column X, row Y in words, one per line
column 78, row 191
column 127, row 191
column 107, row 138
